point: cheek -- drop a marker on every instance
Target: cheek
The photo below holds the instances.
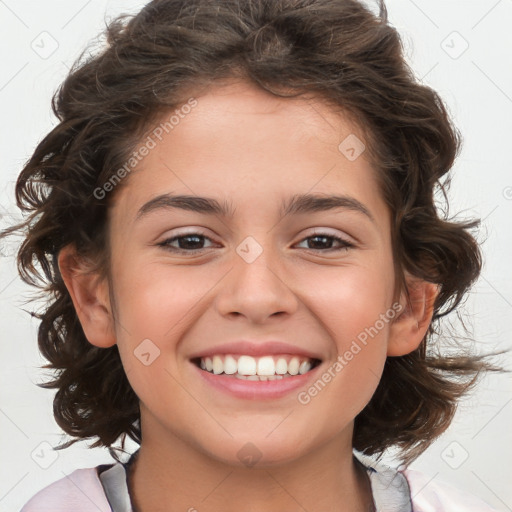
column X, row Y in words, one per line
column 354, row 306
column 156, row 300
column 152, row 310
column 356, row 314
column 157, row 305
column 349, row 299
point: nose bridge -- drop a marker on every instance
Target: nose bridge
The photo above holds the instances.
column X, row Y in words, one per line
column 256, row 286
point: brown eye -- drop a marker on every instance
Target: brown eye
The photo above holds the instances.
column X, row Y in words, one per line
column 324, row 242
column 190, row 242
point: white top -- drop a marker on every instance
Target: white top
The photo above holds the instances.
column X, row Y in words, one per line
column 104, row 489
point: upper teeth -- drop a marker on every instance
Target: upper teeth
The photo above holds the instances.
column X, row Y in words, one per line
column 247, row 365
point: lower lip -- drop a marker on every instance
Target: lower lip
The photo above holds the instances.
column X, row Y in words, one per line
column 256, row 390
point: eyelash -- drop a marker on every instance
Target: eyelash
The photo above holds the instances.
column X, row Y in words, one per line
column 345, row 245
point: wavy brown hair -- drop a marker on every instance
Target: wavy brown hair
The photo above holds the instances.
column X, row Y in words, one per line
column 336, row 50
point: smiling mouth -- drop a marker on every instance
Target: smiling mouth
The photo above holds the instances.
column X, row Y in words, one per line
column 264, row 368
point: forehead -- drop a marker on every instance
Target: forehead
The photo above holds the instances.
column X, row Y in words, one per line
column 238, row 137
column 246, row 109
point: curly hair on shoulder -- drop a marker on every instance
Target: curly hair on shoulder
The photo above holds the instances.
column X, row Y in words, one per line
column 337, row 50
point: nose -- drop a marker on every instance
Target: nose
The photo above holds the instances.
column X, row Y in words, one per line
column 257, row 289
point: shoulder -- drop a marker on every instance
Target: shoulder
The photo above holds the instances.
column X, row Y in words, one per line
column 410, row 490
column 429, row 495
column 80, row 491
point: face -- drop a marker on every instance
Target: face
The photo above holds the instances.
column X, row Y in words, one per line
column 270, row 277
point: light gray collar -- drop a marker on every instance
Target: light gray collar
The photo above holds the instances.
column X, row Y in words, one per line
column 390, row 488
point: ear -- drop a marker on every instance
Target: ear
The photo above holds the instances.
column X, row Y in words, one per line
column 90, row 297
column 409, row 328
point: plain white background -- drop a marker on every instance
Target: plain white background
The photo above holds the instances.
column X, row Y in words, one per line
column 461, row 48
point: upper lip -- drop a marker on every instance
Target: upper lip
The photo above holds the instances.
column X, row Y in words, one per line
column 255, row 349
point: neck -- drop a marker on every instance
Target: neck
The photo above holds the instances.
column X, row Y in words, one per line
column 177, row 476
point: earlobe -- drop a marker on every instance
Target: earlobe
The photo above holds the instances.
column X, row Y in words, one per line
column 90, row 296
column 409, row 328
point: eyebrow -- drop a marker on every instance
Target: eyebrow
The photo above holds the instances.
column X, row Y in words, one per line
column 297, row 204
column 196, row 204
column 311, row 203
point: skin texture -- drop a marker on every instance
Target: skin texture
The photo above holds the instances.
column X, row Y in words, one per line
column 242, row 145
